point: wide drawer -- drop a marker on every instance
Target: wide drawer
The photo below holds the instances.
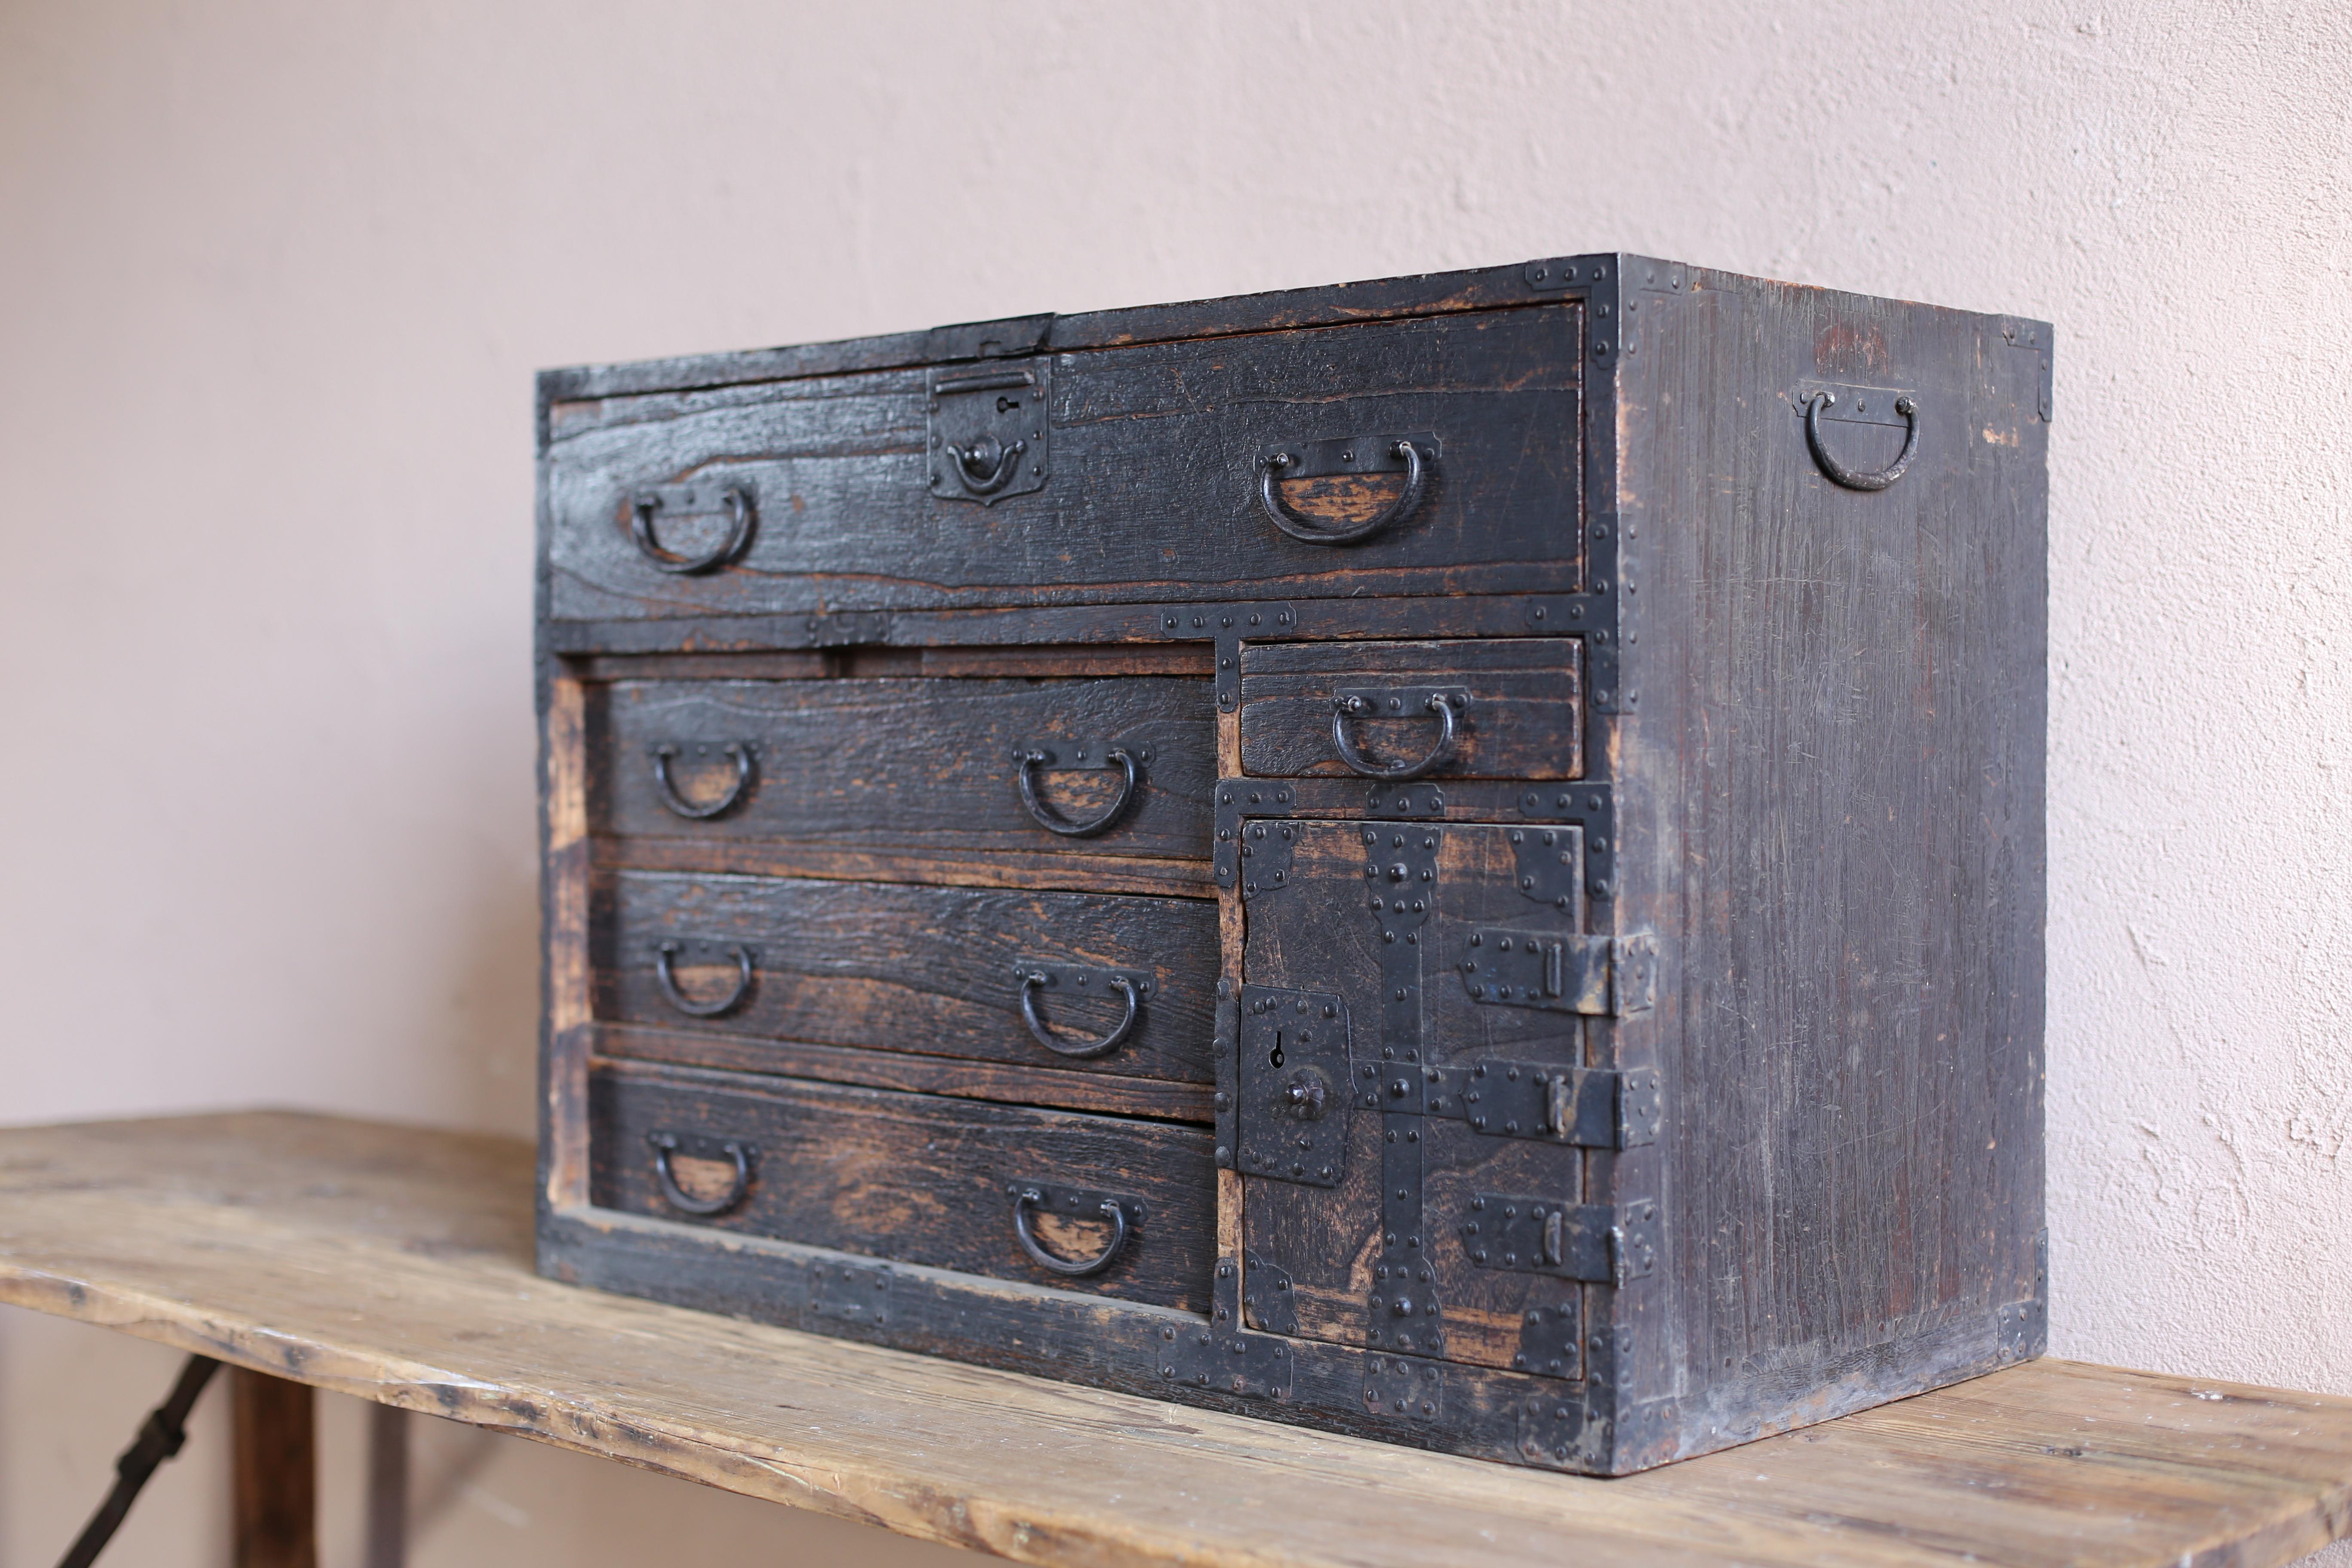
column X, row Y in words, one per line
column 907, row 768
column 1071, row 984
column 1142, row 475
column 1513, row 709
column 998, row 1190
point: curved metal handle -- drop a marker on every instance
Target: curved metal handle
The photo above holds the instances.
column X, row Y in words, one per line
column 1111, row 1211
column 1045, row 1036
column 972, row 472
column 641, row 528
column 678, row 1198
column 1851, row 478
column 665, row 970
column 1270, row 468
column 1053, row 821
column 1344, row 707
column 678, row 802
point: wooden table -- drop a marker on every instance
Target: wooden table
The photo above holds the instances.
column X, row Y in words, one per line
column 396, row 1265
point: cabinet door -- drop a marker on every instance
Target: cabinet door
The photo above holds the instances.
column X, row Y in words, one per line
column 1414, row 1099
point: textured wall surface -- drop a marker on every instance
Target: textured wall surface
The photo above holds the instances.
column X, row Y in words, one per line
column 274, row 277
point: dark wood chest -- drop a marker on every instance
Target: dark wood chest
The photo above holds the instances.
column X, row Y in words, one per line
column 1457, row 859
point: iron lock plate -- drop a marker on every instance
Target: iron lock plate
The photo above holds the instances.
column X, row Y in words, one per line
column 1292, row 1082
column 989, row 429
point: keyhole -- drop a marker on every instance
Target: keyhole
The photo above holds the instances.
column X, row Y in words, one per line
column 1007, row 404
column 1273, row 1058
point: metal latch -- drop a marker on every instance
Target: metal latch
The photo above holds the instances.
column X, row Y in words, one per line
column 1600, row 976
column 1292, row 1082
column 1600, row 1243
column 989, row 435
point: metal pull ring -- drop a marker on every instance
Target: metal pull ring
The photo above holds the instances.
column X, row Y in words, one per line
column 1270, row 468
column 1111, row 1211
column 665, row 971
column 1053, row 821
column 641, row 528
column 1344, row 707
column 971, row 466
column 678, row 1198
column 1045, row 1036
column 1851, row 478
column 736, row 750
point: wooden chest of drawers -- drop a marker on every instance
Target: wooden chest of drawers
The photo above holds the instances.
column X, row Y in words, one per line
column 1456, row 859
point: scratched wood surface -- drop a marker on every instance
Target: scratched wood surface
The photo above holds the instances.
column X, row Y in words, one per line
column 395, row 1265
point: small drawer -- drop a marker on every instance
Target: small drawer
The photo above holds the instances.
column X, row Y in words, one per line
column 1508, row 708
column 1116, row 767
column 1260, row 464
column 999, row 1190
column 1068, row 985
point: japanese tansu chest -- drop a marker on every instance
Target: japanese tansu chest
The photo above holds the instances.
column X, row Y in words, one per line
column 1455, row 860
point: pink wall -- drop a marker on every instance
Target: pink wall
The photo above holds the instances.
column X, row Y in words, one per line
column 274, row 279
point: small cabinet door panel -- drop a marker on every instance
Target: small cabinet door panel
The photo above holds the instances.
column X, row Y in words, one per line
column 1379, row 917
column 910, row 1177
column 906, row 767
column 894, row 967
column 1150, row 482
column 1518, row 701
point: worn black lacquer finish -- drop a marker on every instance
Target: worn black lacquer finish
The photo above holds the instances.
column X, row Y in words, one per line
column 1456, row 859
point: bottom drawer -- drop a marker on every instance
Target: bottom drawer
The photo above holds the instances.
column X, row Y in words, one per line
column 999, row 1190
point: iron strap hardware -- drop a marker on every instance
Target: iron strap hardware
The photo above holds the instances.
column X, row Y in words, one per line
column 1860, row 406
column 1450, row 704
column 668, row 953
column 160, row 1437
column 1344, row 455
column 1125, row 1214
column 1083, row 980
column 1220, row 1355
column 694, row 1146
column 1064, row 755
column 990, row 429
column 737, row 751
column 1591, row 1108
column 1598, row 977
column 1599, row 1244
column 732, row 501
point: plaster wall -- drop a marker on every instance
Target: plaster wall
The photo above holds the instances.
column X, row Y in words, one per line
column 274, row 277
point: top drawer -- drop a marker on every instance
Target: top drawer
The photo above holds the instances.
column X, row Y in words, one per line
column 1147, row 472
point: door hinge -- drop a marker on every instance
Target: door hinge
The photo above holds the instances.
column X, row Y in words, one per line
column 1599, row 976
column 1593, row 1107
column 1601, row 1244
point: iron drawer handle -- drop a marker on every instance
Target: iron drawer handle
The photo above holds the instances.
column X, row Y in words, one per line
column 678, row 1198
column 1108, row 1043
column 640, row 527
column 1053, row 821
column 665, row 970
column 678, row 802
column 971, row 469
column 1270, row 469
column 1837, row 472
column 1111, row 1211
column 1344, row 707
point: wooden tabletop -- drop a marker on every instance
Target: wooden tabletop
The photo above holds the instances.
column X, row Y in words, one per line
column 396, row 1265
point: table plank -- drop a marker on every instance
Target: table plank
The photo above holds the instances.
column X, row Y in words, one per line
column 395, row 1264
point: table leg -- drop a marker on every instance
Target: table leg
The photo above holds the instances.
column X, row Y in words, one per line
column 387, row 1493
column 275, row 1472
